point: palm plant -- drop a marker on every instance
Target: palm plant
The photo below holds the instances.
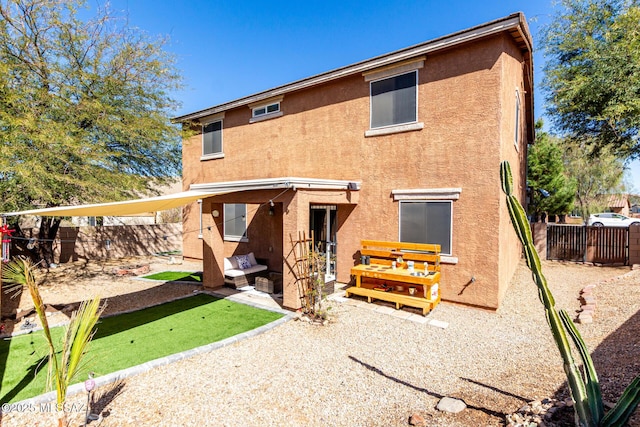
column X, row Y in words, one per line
column 64, row 366
column 584, row 386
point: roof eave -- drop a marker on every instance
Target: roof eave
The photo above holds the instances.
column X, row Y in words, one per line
column 512, row 22
column 277, row 183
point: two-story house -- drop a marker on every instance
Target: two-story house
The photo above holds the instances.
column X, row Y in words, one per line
column 402, row 147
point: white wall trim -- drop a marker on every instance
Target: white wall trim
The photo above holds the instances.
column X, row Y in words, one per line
column 212, row 118
column 212, row 156
column 394, row 129
column 394, row 70
column 427, row 194
column 264, row 103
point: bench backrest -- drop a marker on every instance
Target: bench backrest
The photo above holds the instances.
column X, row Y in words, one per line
column 385, row 253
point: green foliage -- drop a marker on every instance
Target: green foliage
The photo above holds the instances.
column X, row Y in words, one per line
column 592, row 73
column 584, row 386
column 84, row 107
column 593, row 176
column 63, row 367
column 546, row 172
column 171, row 276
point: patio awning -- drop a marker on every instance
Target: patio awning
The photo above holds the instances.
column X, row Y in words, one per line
column 123, row 208
column 197, row 191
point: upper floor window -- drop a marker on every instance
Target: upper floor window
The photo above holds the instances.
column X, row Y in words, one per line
column 212, row 139
column 235, row 222
column 267, row 109
column 394, row 100
column 516, row 140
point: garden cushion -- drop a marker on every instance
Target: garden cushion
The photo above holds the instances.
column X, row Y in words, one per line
column 243, row 262
column 238, row 272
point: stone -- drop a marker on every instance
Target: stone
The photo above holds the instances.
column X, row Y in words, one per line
column 417, row 420
column 451, row 405
column 134, row 270
column 587, row 311
column 439, row 323
column 588, row 299
column 584, row 319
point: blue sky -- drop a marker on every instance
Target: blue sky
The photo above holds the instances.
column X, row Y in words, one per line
column 230, row 49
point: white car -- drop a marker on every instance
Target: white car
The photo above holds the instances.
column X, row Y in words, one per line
column 610, row 219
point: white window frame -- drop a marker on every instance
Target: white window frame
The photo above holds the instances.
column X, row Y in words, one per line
column 216, row 155
column 232, row 237
column 200, row 217
column 264, row 110
column 450, row 202
column 396, row 127
column 516, row 140
column 260, row 110
column 429, row 195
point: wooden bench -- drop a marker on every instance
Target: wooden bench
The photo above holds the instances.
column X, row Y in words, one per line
column 379, row 280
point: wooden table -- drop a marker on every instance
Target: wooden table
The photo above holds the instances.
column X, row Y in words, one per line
column 427, row 294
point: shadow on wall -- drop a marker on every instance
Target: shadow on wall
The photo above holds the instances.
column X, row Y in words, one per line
column 76, row 243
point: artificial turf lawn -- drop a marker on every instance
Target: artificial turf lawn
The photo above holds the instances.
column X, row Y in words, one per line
column 169, row 276
column 128, row 340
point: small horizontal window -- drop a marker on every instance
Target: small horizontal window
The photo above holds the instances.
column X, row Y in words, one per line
column 266, row 109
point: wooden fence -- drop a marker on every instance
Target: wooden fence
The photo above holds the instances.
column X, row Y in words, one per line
column 602, row 245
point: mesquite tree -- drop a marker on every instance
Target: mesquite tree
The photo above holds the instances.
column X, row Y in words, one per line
column 84, row 109
column 592, row 73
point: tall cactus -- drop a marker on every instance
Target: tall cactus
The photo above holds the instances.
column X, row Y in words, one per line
column 584, row 386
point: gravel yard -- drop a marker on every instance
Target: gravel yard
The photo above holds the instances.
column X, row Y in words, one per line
column 368, row 368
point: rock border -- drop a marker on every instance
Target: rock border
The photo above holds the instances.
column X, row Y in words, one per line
column 588, row 305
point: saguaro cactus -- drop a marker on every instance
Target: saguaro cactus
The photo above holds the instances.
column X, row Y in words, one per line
column 584, row 386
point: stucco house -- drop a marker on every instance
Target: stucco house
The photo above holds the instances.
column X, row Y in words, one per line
column 618, row 203
column 402, row 147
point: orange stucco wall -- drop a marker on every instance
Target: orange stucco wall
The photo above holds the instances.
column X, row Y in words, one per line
column 466, row 101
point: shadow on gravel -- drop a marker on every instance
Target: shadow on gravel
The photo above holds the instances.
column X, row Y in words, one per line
column 378, row 371
column 100, row 402
column 496, row 389
column 617, row 362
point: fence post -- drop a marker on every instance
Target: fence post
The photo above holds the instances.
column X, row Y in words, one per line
column 539, row 232
column 634, row 244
